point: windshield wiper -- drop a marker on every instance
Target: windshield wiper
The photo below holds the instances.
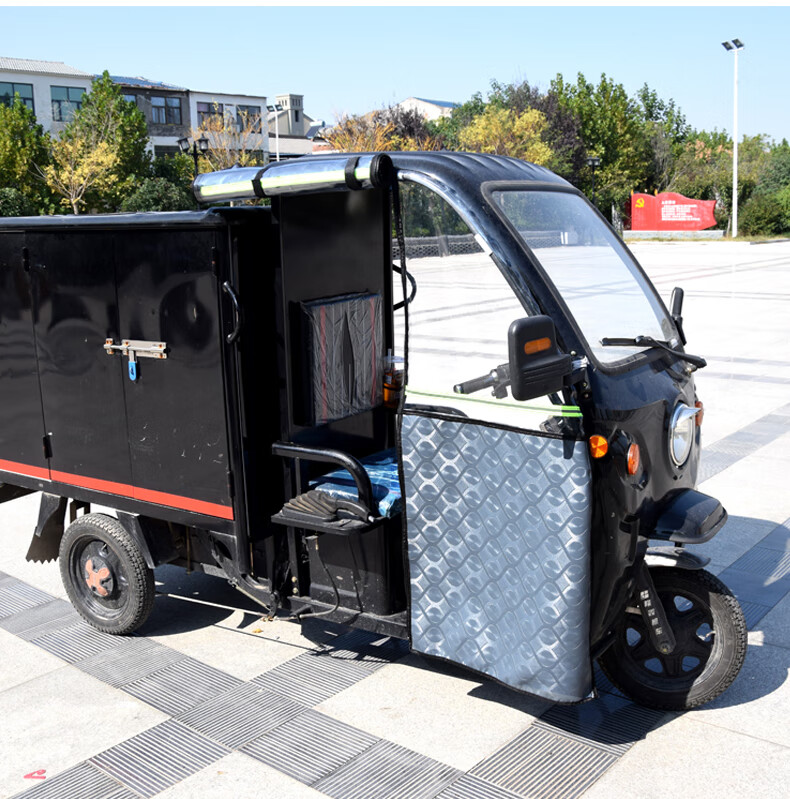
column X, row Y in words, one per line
column 647, row 341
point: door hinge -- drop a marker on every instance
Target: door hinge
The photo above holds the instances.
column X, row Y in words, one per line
column 231, row 485
column 25, row 259
column 47, row 446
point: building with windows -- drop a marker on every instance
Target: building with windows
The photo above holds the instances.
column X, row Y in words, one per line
column 54, row 90
column 51, row 89
column 429, row 109
column 165, row 107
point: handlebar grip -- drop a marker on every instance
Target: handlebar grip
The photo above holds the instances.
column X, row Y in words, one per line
column 475, row 384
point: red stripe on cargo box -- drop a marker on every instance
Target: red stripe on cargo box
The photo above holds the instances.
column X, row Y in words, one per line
column 147, row 495
column 24, row 468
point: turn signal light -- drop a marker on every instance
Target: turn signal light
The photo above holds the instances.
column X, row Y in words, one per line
column 698, row 417
column 599, row 446
column 537, row 345
column 633, row 459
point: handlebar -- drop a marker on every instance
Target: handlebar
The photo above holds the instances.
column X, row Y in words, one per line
column 498, row 379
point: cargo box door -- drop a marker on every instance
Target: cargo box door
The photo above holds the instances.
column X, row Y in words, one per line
column 168, row 294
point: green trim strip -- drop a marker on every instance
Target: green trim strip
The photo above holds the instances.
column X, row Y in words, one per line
column 285, row 181
column 568, row 411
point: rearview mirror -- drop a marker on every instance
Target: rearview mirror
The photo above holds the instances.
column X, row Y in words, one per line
column 677, row 311
column 537, row 367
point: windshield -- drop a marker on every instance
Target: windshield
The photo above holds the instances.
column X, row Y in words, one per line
column 602, row 287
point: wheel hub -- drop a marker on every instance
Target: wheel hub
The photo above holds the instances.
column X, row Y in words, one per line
column 99, row 577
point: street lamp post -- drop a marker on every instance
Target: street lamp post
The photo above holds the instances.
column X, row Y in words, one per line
column 593, row 162
column 201, row 145
column 734, row 46
column 276, row 108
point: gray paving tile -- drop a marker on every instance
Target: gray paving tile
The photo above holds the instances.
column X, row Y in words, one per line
column 236, row 717
column 80, row 782
column 181, row 686
column 778, row 538
column 158, row 758
column 388, row 771
column 769, row 563
column 139, row 658
column 611, row 723
column 541, row 764
column 313, row 677
column 753, row 613
column 310, row 746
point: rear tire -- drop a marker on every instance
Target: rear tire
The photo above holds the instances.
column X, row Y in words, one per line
column 105, row 574
column 710, row 631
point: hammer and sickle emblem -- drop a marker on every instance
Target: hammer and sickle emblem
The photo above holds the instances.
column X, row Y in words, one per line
column 95, row 577
column 640, row 203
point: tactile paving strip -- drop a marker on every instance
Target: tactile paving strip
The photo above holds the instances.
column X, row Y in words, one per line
column 41, row 619
column 242, row 714
column 468, row 787
column 83, row 781
column 753, row 613
column 79, row 641
column 366, row 649
column 312, row 677
column 387, row 771
column 181, row 686
column 611, row 723
column 310, row 746
column 158, row 758
column 138, row 659
column 541, row 764
column 16, row 596
column 769, row 563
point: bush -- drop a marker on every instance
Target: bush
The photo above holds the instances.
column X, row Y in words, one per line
column 761, row 215
column 158, row 194
column 14, row 203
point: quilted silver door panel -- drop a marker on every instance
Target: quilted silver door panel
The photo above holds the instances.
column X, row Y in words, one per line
column 499, row 552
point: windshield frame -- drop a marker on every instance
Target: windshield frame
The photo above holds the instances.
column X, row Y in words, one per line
column 488, row 189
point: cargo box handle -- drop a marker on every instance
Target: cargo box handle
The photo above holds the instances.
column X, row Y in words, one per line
column 228, row 289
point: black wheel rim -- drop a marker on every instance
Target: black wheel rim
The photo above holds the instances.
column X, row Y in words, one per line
column 696, row 652
column 99, row 578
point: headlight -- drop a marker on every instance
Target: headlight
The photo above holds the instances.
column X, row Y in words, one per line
column 681, row 433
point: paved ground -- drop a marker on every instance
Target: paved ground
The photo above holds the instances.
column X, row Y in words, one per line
column 212, row 701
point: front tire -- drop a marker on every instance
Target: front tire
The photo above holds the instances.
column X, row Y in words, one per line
column 710, row 633
column 105, row 574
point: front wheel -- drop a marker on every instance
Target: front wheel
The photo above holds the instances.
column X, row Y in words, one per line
column 710, row 634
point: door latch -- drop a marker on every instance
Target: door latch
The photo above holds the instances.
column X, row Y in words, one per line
column 134, row 349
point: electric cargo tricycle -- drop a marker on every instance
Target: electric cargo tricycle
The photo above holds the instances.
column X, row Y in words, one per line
column 428, row 395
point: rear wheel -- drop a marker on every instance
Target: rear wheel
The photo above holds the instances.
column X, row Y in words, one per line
column 710, row 634
column 105, row 574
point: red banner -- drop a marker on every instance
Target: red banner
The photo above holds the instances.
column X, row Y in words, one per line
column 669, row 211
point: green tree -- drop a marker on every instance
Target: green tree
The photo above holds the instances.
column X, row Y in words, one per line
column 23, row 145
column 159, row 194
column 448, row 129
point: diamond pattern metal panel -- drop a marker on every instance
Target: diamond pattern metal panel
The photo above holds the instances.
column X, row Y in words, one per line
column 313, row 677
column 81, row 782
column 310, row 746
column 498, row 545
column 388, row 771
column 242, row 714
column 181, row 686
column 541, row 764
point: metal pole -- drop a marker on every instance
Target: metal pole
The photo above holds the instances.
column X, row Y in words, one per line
column 277, row 133
column 735, row 151
column 195, row 156
column 593, row 184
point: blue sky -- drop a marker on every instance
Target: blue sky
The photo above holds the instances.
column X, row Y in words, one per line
column 354, row 59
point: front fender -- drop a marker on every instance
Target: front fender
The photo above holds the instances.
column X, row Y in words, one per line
column 689, row 517
column 674, row 557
